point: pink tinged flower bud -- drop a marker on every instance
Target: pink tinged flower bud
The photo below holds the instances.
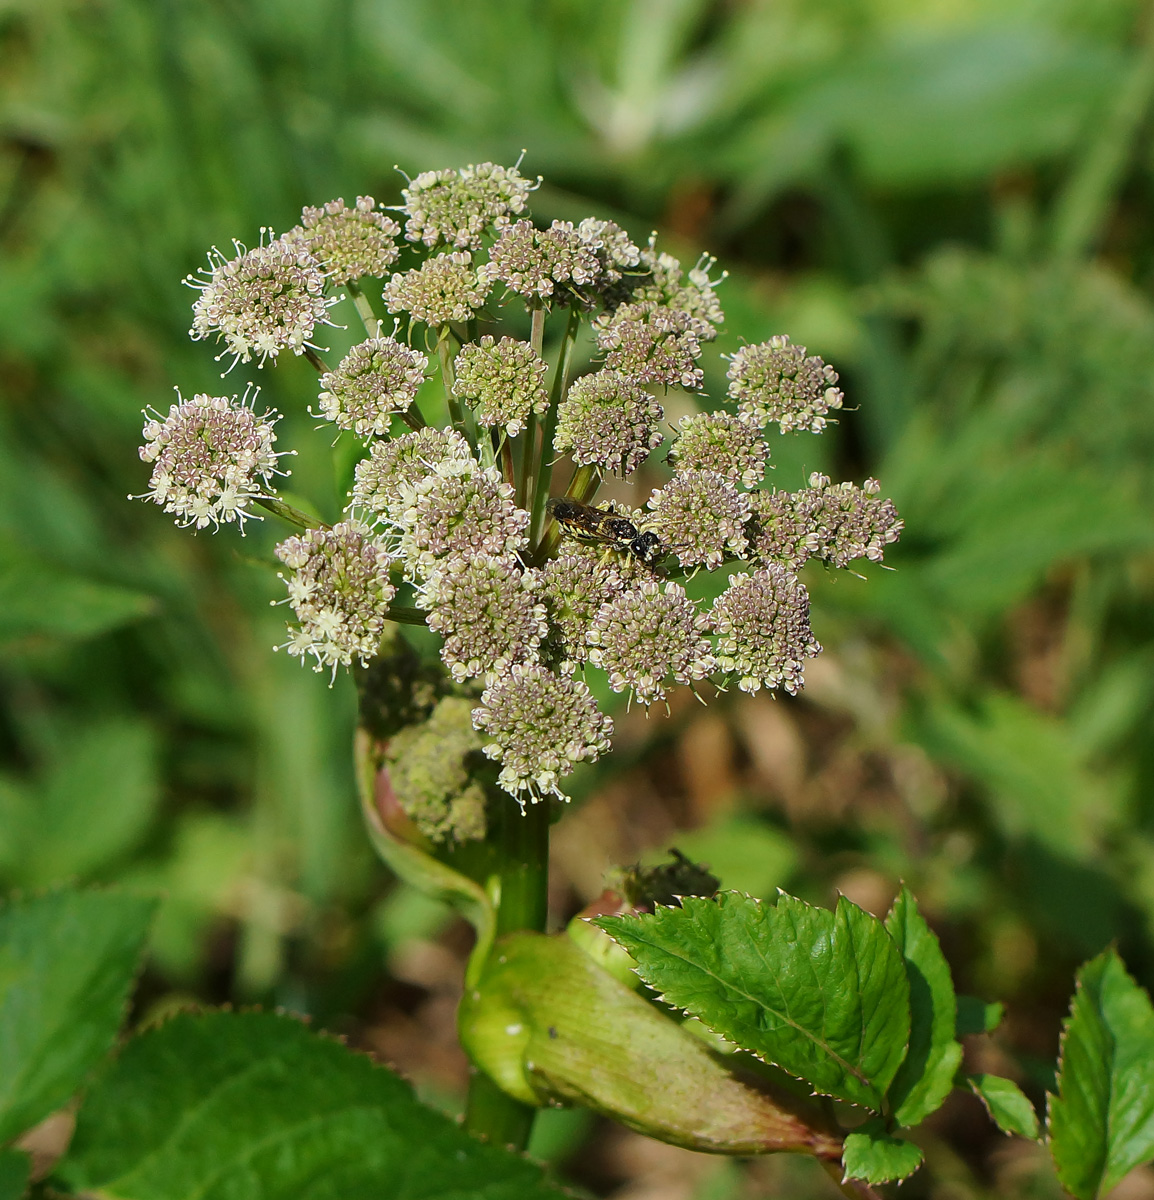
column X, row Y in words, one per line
column 488, row 613
column 613, row 247
column 212, row 456
column 542, row 263
column 549, row 1026
column 503, row 382
column 539, row 725
column 669, row 287
column 779, row 532
column 444, row 288
column 265, row 300
column 764, row 637
column 649, row 637
column 340, row 592
column 847, row 522
column 384, row 480
column 348, row 242
column 574, row 586
column 459, row 509
column 701, row 516
column 457, row 208
column 653, row 344
column 607, row 419
column 774, row 381
column 724, row 444
column 375, row 380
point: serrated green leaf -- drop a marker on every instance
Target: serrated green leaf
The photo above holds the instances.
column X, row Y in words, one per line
column 67, row 963
column 1101, row 1123
column 926, row 1076
column 15, row 1167
column 876, row 1156
column 821, row 994
column 1009, row 1107
column 978, row 1016
column 224, row 1106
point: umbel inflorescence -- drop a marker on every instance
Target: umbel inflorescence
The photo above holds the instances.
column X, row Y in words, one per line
column 485, row 527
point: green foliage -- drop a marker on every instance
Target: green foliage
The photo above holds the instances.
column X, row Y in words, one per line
column 67, row 962
column 14, row 1170
column 1101, row 1122
column 873, row 1154
column 1008, row 1106
column 40, row 601
column 978, row 1016
column 91, row 805
column 822, row 995
column 926, row 1075
column 886, row 183
column 225, row 1104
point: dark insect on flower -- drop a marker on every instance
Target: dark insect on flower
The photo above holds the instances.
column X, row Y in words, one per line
column 603, row 525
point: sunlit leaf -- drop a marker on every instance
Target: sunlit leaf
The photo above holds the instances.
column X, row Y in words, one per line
column 821, row 994
column 1101, row 1122
column 67, row 962
column 224, row 1105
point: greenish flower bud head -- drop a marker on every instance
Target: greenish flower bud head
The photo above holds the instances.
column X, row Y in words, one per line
column 349, row 242
column 432, row 769
column 502, row 381
column 775, row 381
column 444, row 288
column 608, row 420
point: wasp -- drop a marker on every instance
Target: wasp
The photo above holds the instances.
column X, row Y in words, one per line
column 609, row 528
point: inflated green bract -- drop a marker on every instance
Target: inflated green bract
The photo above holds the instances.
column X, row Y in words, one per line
column 926, row 1076
column 821, row 994
column 67, row 962
column 1102, row 1120
column 226, row 1106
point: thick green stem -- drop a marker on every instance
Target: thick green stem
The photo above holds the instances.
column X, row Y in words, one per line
column 522, row 844
column 369, row 319
column 557, row 394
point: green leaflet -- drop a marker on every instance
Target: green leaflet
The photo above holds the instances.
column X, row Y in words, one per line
column 1008, row 1106
column 876, row 1156
column 67, row 962
column 821, row 994
column 926, row 1076
column 1101, row 1123
column 225, row 1106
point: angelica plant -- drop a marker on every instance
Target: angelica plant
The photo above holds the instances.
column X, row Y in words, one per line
column 485, row 526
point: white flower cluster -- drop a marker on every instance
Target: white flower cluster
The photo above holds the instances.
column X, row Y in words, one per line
column 455, row 527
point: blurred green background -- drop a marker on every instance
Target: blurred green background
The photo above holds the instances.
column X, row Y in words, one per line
column 949, row 199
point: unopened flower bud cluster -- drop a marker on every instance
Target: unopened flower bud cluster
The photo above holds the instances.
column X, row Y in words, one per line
column 450, row 525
